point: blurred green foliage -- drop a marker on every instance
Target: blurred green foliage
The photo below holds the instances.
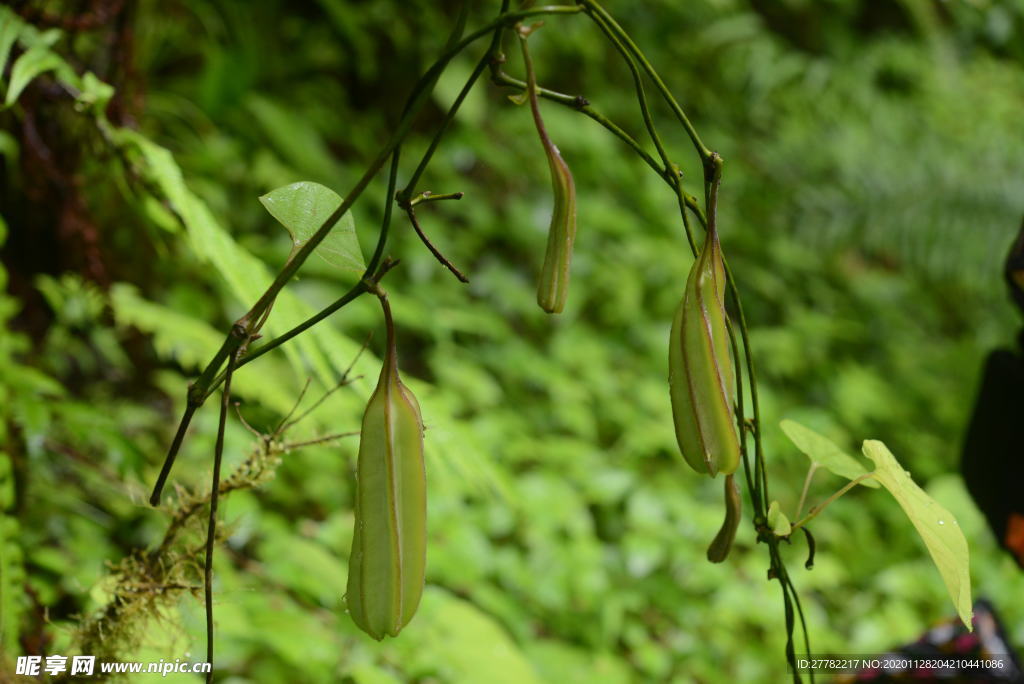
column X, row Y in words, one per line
column 873, row 166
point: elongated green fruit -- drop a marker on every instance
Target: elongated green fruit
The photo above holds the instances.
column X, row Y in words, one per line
column 722, row 543
column 701, row 374
column 553, row 288
column 386, row 567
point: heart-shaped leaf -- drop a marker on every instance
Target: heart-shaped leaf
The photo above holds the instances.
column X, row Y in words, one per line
column 302, row 208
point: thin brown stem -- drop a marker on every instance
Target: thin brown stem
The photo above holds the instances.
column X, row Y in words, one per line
column 295, row 407
column 345, row 380
column 319, row 440
column 442, row 259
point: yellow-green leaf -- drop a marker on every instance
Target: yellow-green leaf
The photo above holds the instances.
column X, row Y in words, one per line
column 936, row 525
column 825, row 453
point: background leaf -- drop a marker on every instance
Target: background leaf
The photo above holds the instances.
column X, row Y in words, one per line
column 12, row 571
column 10, row 26
column 36, row 60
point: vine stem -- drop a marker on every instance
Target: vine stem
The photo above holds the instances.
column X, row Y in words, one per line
column 602, row 20
column 791, row 600
column 778, row 569
column 211, row 529
column 582, row 105
column 531, row 92
column 702, row 149
column 442, row 259
column 800, row 614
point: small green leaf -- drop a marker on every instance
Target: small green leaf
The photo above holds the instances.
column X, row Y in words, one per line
column 778, row 521
column 824, row 452
column 936, row 525
column 302, row 208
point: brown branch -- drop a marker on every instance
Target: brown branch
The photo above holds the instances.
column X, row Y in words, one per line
column 411, row 212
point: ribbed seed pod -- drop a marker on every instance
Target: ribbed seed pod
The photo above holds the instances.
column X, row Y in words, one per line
column 388, row 559
column 553, row 288
column 722, row 543
column 701, row 374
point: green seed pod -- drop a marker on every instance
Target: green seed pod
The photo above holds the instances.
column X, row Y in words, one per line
column 722, row 543
column 388, row 559
column 553, row 288
column 701, row 374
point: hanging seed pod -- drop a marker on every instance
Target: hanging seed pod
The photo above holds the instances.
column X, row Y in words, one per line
column 722, row 543
column 701, row 374
column 388, row 559
column 553, row 288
